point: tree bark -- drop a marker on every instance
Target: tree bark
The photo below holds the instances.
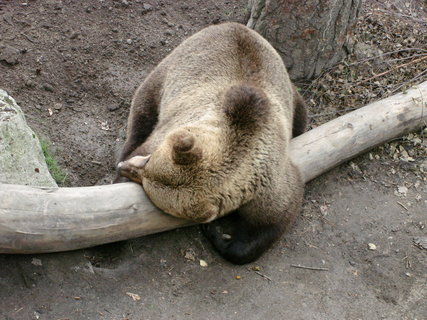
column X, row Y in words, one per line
column 310, row 35
column 35, row 220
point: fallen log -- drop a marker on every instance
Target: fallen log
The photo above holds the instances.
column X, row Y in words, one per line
column 37, row 220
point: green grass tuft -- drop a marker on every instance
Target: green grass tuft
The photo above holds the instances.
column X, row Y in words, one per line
column 55, row 170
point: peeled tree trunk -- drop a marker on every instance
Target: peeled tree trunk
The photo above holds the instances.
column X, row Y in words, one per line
column 310, row 35
column 35, row 220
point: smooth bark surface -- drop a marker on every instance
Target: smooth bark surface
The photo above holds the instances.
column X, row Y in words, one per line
column 35, row 220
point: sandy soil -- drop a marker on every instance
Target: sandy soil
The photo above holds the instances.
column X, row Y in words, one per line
column 73, row 67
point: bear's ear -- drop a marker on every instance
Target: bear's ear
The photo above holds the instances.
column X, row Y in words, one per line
column 137, row 162
column 184, row 151
column 131, row 168
column 246, row 106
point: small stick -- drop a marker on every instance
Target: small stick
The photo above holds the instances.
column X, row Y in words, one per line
column 406, row 58
column 27, row 37
column 400, row 15
column 387, row 54
column 419, row 75
column 309, row 268
column 408, row 263
column 392, row 69
column 19, row 310
column 400, row 203
column 263, row 275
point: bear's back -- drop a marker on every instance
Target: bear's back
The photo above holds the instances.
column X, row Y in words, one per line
column 201, row 69
column 224, row 54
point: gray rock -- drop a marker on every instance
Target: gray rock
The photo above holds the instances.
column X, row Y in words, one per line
column 9, row 54
column 21, row 156
column 48, row 87
column 146, row 8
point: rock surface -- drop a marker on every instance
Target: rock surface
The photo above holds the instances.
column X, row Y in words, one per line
column 21, row 156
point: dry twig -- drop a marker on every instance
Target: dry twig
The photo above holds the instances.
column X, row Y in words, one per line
column 309, row 268
column 386, row 54
column 263, row 275
column 402, row 205
column 393, row 69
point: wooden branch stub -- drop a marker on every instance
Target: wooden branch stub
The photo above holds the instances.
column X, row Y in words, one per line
column 345, row 137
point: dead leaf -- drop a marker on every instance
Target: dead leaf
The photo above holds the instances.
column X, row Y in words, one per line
column 36, row 262
column 190, row 255
column 134, row 296
column 372, row 246
column 324, row 210
column 402, row 190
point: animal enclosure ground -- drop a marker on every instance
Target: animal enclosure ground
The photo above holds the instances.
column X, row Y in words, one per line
column 73, row 67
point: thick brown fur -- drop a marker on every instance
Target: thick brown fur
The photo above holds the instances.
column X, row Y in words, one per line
column 208, row 135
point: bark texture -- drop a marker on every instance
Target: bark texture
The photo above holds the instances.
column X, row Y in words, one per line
column 310, row 35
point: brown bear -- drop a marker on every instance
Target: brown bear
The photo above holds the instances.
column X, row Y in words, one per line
column 208, row 135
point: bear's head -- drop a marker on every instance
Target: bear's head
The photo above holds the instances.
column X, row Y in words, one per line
column 180, row 176
column 205, row 171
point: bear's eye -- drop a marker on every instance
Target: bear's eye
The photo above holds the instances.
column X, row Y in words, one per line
column 164, row 183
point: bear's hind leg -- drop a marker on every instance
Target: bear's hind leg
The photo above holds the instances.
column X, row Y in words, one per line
column 243, row 236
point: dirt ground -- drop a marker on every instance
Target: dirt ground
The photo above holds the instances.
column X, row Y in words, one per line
column 73, row 67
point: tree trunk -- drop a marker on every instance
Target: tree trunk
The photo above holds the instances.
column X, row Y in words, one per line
column 35, row 220
column 310, row 35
